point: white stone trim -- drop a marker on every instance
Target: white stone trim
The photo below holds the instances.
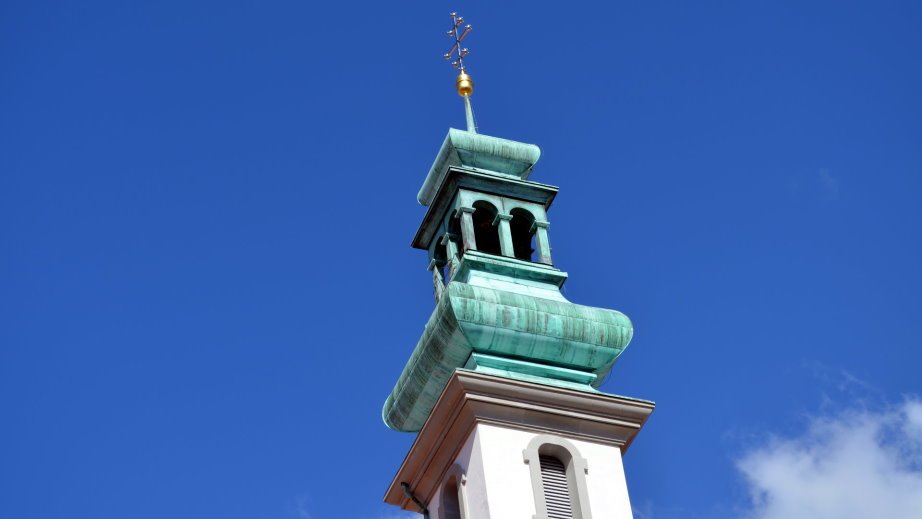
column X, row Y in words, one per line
column 577, row 469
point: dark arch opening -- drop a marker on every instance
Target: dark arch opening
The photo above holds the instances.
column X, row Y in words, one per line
column 485, row 233
column 523, row 245
column 454, row 229
column 440, row 256
column 451, row 506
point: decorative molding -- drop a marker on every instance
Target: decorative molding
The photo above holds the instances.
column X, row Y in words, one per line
column 503, row 366
column 539, row 224
column 500, row 217
column 447, row 237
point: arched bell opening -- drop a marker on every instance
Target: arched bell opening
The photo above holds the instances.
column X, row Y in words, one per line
column 454, row 233
column 486, row 235
column 440, row 258
column 523, row 238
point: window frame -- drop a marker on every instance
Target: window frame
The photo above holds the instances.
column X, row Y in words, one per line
column 577, row 469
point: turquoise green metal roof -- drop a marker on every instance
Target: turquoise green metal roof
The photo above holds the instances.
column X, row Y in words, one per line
column 477, row 151
column 550, row 340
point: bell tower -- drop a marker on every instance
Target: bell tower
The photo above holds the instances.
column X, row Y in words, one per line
column 501, row 388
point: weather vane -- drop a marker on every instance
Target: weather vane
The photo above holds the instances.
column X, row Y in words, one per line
column 464, row 83
column 458, row 33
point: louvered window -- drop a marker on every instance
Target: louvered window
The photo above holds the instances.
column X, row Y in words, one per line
column 556, row 490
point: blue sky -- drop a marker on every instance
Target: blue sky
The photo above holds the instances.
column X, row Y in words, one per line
column 207, row 289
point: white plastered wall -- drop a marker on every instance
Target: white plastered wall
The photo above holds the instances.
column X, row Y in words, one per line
column 499, row 482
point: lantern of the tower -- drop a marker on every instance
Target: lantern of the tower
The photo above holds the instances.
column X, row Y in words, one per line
column 502, row 385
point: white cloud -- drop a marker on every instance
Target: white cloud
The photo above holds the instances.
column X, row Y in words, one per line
column 829, row 184
column 300, row 507
column 857, row 464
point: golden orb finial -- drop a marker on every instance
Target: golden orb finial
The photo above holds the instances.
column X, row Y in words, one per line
column 464, row 84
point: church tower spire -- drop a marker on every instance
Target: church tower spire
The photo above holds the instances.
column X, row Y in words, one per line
column 502, row 386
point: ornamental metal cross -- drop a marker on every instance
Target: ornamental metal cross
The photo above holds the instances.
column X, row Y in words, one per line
column 458, row 33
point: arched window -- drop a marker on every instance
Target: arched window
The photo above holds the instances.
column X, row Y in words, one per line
column 453, row 504
column 522, row 237
column 454, row 229
column 485, row 233
column 558, row 477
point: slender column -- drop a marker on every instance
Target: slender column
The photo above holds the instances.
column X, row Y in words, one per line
column 505, row 234
column 437, row 283
column 451, row 250
column 467, row 228
column 544, row 247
